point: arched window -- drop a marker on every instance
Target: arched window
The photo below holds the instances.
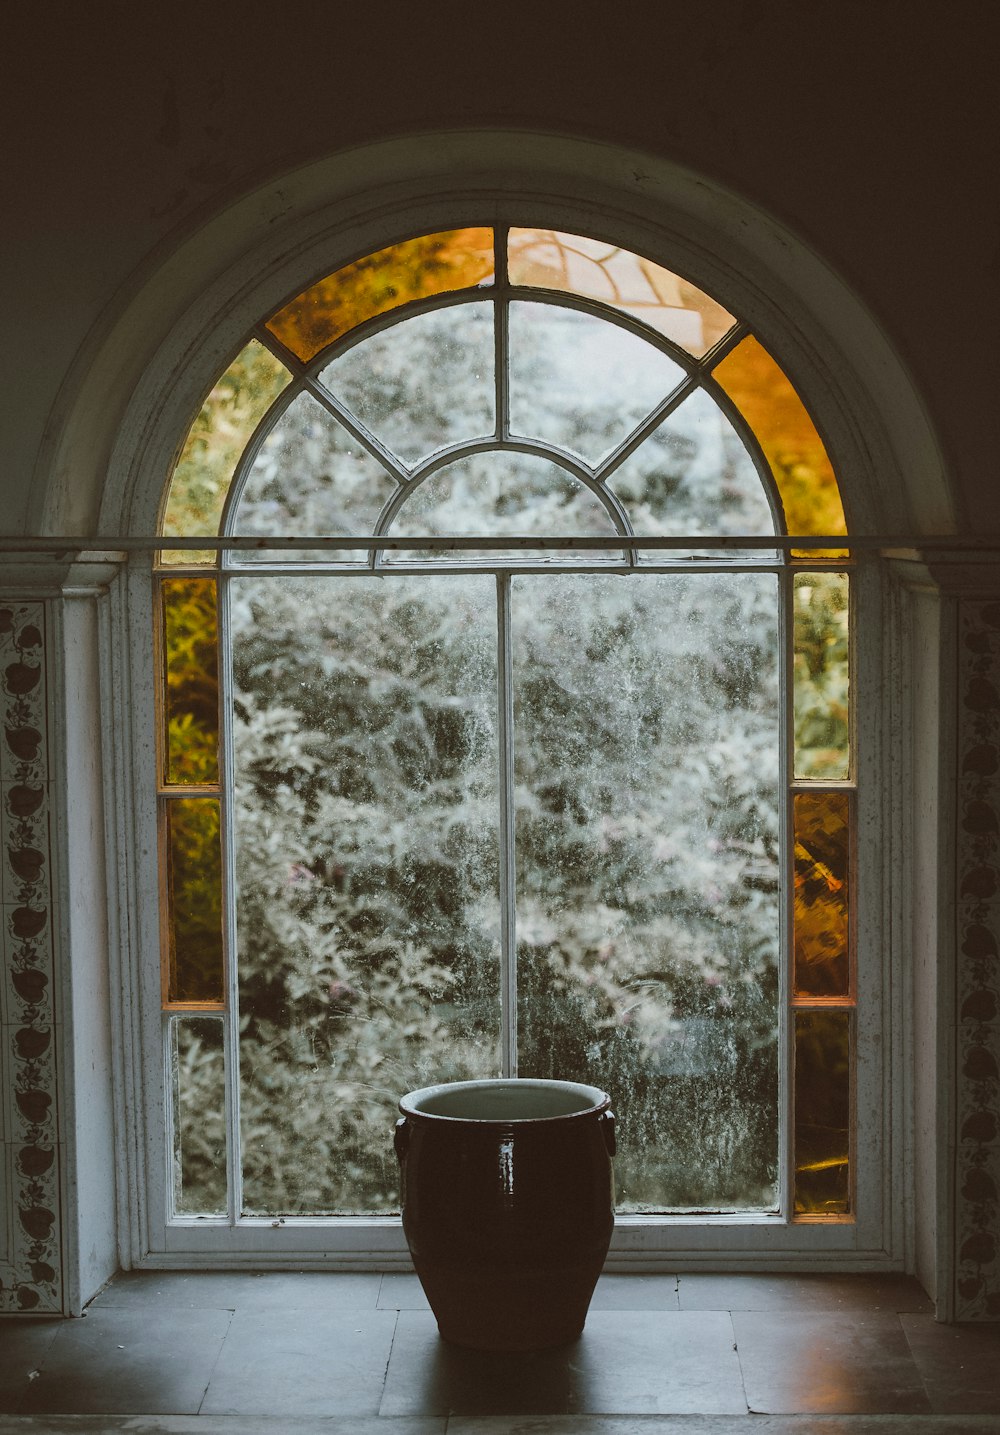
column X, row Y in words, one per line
column 503, row 730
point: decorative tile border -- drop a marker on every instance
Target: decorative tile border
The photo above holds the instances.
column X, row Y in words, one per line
column 977, row 1177
column 33, row 1279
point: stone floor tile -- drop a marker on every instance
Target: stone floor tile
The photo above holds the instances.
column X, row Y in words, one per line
column 886, row 1293
column 228, row 1290
column 615, row 1292
column 24, row 1345
column 403, row 1292
column 959, row 1364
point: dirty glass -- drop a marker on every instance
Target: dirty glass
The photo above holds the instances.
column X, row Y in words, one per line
column 787, row 435
column 200, row 483
column 646, row 801
column 416, row 269
column 191, row 681
column 424, row 383
column 572, row 264
column 198, row 1081
column 194, row 900
column 365, row 828
column 821, row 675
column 822, row 1112
column 580, row 382
column 822, row 877
column 311, row 477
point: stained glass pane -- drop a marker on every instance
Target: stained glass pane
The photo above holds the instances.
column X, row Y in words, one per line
column 580, row 382
column 822, row 874
column 415, row 269
column 692, row 475
column 214, row 446
column 787, row 435
column 194, row 900
column 198, row 1071
column 311, row 477
column 821, row 683
column 822, row 1112
column 191, row 687
column 548, row 259
column 423, row 383
column 366, row 799
column 646, row 796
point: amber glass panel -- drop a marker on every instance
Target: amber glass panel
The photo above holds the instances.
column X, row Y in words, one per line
column 822, row 1112
column 198, row 1073
column 415, row 269
column 821, row 685
column 822, row 861
column 194, row 901
column 799, row 462
column 191, row 681
column 218, row 436
column 572, row 264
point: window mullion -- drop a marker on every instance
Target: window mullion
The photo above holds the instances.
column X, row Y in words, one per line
column 234, row 1153
column 508, row 919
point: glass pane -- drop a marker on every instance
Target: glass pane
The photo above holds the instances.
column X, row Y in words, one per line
column 821, row 675
column 692, row 475
column 198, row 1071
column 191, row 686
column 646, row 800
column 311, row 477
column 822, row 869
column 415, row 269
column 194, row 900
column 547, row 259
column 579, row 382
column 822, row 1112
column 498, row 493
column 424, row 383
column 801, row 466
column 214, row 446
column 366, row 799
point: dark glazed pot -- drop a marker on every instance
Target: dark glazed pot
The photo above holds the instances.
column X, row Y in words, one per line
column 508, row 1206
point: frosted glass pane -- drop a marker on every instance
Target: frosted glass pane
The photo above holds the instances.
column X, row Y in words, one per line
column 570, row 263
column 822, row 878
column 415, row 269
column 579, row 382
column 191, row 680
column 646, row 735
column 198, row 1079
column 366, row 799
column 194, row 900
column 692, row 475
column 822, row 1112
column 821, row 681
column 311, row 477
column 424, row 383
column 502, row 492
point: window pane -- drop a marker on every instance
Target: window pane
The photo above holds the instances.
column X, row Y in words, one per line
column 415, row 269
column 200, row 483
column 191, row 687
column 198, row 1070
column 822, row 1112
column 693, row 475
column 822, row 864
column 581, row 382
column 366, row 799
column 194, row 902
column 646, row 733
column 547, row 259
column 799, row 462
column 822, row 675
column 424, row 383
column 311, row 477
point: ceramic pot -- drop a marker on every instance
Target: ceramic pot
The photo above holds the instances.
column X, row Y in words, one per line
column 508, row 1206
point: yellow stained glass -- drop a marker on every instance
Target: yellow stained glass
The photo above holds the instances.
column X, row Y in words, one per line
column 787, row 435
column 573, row 264
column 821, row 675
column 415, row 269
column 822, row 1112
column 194, row 901
column 191, row 681
column 822, row 881
column 214, row 446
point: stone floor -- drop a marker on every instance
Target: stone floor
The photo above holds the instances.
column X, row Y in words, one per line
column 196, row 1354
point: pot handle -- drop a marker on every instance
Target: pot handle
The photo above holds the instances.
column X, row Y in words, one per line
column 401, row 1139
column 608, row 1128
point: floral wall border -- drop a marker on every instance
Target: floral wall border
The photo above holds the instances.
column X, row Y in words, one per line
column 31, row 1279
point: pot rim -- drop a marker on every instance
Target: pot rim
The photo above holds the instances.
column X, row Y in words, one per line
column 600, row 1101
